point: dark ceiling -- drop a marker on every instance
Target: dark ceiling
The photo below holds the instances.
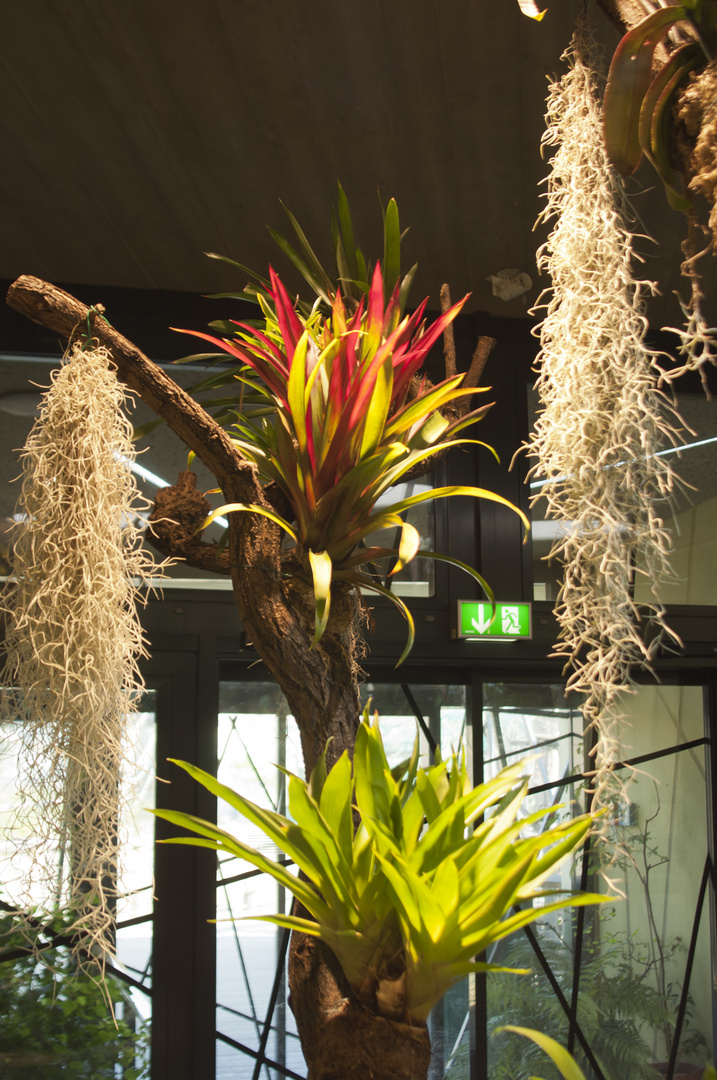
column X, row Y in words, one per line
column 139, row 134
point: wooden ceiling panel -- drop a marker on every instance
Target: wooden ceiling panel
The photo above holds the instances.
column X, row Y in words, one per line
column 138, row 135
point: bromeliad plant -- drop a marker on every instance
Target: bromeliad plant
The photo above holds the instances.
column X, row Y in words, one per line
column 639, row 121
column 424, row 884
column 638, row 100
column 348, row 419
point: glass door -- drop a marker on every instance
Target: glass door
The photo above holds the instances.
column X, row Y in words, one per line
column 256, row 1034
column 627, row 986
column 56, row 1020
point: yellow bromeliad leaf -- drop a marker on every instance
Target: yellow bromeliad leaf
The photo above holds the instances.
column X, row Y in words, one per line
column 408, row 546
column 250, row 508
column 321, row 571
column 564, row 1062
column 295, row 390
column 335, row 805
column 415, row 894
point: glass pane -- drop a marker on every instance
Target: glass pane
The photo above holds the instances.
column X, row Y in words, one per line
column 632, row 965
column 442, row 707
column 134, row 906
column 536, row 722
column 256, row 733
column 448, row 1026
column 532, row 721
column 661, row 844
column 692, row 519
column 418, row 577
column 56, row 1023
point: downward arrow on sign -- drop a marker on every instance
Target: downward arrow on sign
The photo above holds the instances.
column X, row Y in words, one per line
column 483, row 622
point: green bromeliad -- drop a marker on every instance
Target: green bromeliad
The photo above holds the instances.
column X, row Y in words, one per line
column 435, row 873
column 345, row 418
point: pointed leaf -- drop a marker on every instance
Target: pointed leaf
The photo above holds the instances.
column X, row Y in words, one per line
column 391, row 249
column 566, row 1065
column 321, row 570
column 335, row 805
column 628, row 81
column 410, row 540
column 250, row 508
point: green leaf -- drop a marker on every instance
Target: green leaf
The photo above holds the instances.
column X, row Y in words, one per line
column 347, row 233
column 566, row 1065
column 305, row 271
column 372, row 775
column 296, row 388
column 321, row 570
column 250, row 508
column 628, row 82
column 239, row 266
column 321, row 275
column 655, row 117
column 391, row 250
column 317, row 839
column 141, row 430
column 406, row 288
column 335, row 805
column 212, row 837
column 364, row 582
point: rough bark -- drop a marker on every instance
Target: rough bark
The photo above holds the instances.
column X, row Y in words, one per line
column 340, row 1038
column 330, row 1020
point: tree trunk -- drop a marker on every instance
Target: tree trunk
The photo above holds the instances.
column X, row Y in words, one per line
column 341, row 1039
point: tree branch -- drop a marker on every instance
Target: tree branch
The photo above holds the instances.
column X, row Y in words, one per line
column 178, row 512
column 49, row 306
column 473, row 376
column 449, row 341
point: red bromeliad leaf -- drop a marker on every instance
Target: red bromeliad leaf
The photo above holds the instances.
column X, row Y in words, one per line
column 289, row 323
column 345, row 428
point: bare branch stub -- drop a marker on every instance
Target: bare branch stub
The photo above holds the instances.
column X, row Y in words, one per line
column 178, row 512
column 449, row 341
column 474, row 374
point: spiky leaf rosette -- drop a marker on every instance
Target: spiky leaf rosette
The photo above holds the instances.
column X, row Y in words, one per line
column 349, row 422
column 73, row 642
column 603, row 419
column 428, row 880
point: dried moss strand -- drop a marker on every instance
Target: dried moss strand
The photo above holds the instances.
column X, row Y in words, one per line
column 603, row 418
column 74, row 642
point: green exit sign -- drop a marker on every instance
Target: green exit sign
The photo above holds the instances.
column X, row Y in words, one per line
column 477, row 619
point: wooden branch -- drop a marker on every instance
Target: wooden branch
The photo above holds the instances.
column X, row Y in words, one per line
column 49, row 306
column 449, row 341
column 472, row 377
column 178, row 512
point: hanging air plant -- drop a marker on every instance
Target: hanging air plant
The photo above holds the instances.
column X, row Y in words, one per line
column 73, row 642
column 603, row 420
